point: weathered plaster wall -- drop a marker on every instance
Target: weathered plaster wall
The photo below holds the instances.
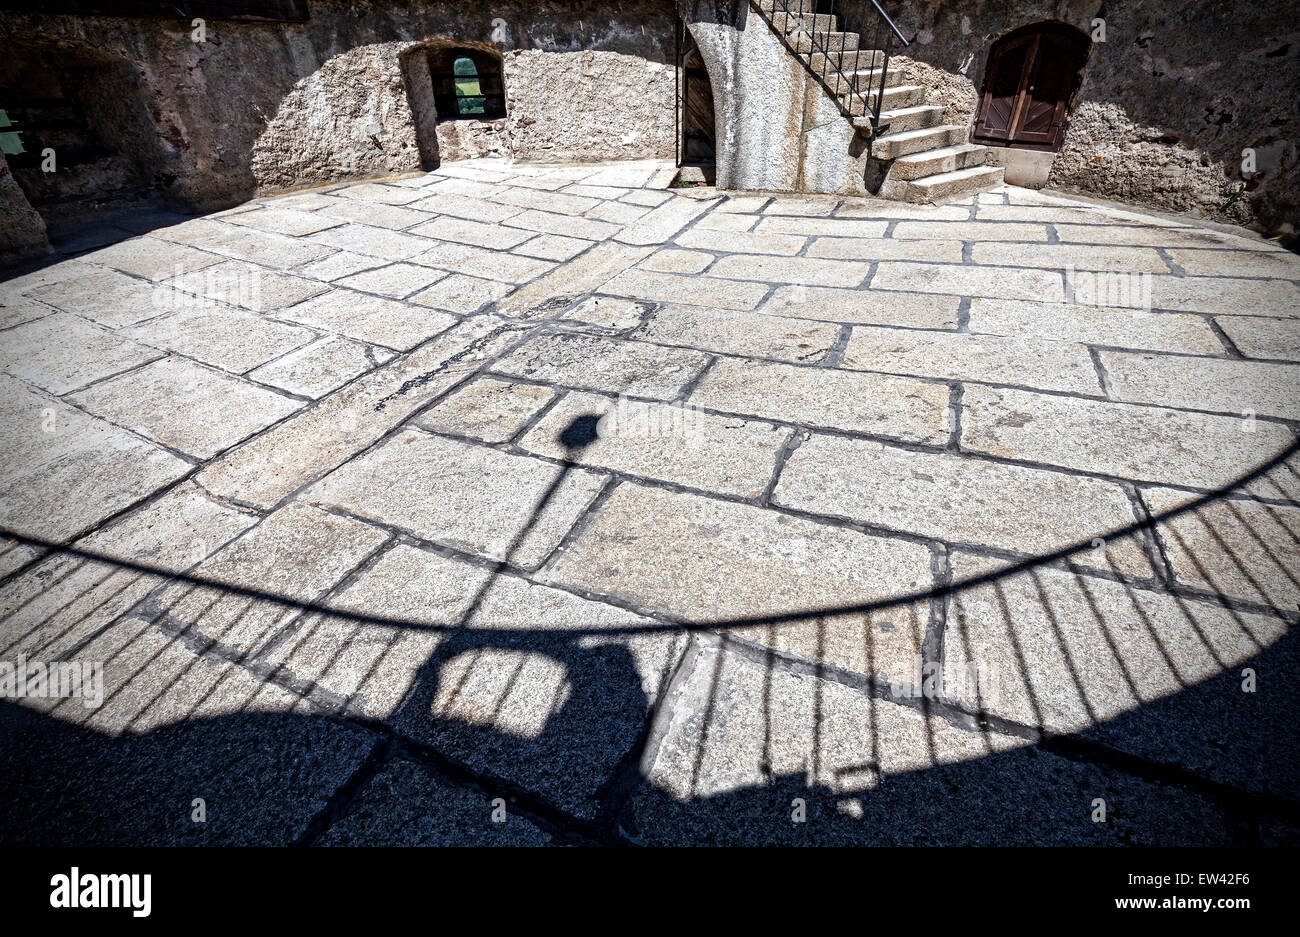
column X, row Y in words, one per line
column 1169, row 100
column 776, row 128
column 261, row 107
column 592, row 103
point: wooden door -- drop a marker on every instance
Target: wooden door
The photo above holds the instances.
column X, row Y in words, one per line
column 698, row 132
column 1031, row 76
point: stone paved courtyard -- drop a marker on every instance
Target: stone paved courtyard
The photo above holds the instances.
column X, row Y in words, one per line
column 583, row 434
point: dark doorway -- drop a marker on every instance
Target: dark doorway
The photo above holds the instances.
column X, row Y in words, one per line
column 698, row 146
column 1029, row 85
column 79, row 138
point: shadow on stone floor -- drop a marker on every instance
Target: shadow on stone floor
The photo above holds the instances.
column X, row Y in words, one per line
column 1204, row 765
column 281, row 778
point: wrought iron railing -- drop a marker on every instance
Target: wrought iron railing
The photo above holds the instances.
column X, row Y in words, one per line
column 845, row 44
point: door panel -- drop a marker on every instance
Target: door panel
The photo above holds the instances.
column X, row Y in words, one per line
column 1051, row 79
column 699, row 132
column 1005, row 72
column 1029, row 81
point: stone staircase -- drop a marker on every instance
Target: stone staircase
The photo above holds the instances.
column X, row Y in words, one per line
column 914, row 155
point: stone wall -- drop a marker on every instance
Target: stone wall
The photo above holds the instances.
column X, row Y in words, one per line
column 1168, row 103
column 22, row 233
column 263, row 107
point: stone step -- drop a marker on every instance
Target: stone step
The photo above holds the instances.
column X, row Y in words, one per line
column 843, row 61
column 896, row 98
column 808, row 43
column 865, row 79
column 934, row 162
column 856, row 104
column 894, row 145
column 898, row 120
column 899, row 96
column 787, row 6
column 805, row 22
column 949, row 185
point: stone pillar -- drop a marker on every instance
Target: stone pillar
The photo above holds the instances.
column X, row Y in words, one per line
column 777, row 128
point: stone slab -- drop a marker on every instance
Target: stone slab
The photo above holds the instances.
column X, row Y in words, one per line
column 737, row 333
column 804, row 270
column 671, row 288
column 1148, row 444
column 372, row 241
column 484, row 264
column 185, row 406
column 319, row 368
column 487, row 409
column 1062, row 256
column 371, row 319
column 462, row 294
column 152, row 258
column 1061, row 366
column 1144, row 672
column 970, row 231
column 61, row 353
column 394, row 280
column 462, row 231
column 1258, row 337
column 840, row 248
column 65, row 471
column 666, row 442
column 482, row 506
column 959, row 500
column 675, row 261
column 968, row 281
column 298, row 552
column 660, row 224
column 898, row 408
column 710, row 561
column 570, row 281
column 741, row 242
column 1218, row 384
column 110, row 298
column 1230, row 547
column 1226, row 296
column 228, row 338
column 303, row 448
column 912, row 310
column 590, row 362
column 1094, row 325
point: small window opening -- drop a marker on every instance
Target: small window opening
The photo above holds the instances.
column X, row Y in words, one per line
column 467, row 85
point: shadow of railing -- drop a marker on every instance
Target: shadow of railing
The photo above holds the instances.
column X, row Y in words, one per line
column 1047, row 691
